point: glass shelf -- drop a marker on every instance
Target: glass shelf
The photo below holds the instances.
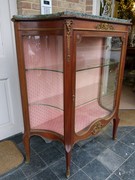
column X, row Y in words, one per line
column 105, row 99
column 43, row 104
column 57, row 68
column 88, row 65
column 81, row 66
column 54, row 102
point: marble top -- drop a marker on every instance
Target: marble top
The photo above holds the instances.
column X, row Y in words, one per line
column 68, row 14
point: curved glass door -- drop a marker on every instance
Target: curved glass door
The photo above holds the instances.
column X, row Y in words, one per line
column 97, row 67
column 43, row 57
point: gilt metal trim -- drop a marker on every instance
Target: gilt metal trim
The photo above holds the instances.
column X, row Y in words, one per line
column 105, row 26
column 69, row 29
column 97, row 127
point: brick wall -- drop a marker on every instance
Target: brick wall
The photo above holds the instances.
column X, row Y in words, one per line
column 61, row 5
column 30, row 7
column 89, row 6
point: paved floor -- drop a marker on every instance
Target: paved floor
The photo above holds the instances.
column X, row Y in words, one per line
column 98, row 158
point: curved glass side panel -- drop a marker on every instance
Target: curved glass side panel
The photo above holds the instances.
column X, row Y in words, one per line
column 97, row 68
column 43, row 56
column 110, row 73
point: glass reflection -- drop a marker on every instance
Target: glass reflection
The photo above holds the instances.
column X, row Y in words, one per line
column 97, row 67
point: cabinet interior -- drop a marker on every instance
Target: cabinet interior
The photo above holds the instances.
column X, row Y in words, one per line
column 97, row 67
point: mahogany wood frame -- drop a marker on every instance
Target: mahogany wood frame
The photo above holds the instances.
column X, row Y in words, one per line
column 68, row 27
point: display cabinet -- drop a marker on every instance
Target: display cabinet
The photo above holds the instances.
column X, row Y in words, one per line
column 71, row 69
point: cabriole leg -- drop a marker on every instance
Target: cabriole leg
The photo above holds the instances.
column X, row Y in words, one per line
column 26, row 140
column 68, row 159
column 115, row 126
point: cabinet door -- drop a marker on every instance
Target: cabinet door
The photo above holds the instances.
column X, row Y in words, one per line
column 43, row 56
column 97, row 69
